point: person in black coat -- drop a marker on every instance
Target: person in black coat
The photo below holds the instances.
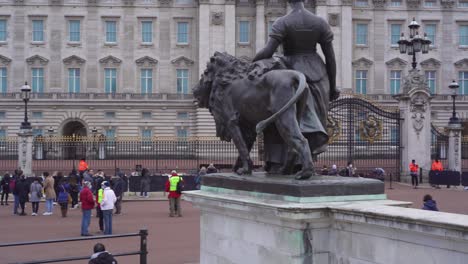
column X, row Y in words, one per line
column 429, row 203
column 101, row 256
column 5, row 185
column 118, row 187
column 22, row 189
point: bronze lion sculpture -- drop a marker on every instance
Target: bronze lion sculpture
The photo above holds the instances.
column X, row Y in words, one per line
column 244, row 98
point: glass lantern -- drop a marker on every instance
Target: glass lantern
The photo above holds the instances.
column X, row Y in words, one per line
column 402, row 44
column 25, row 91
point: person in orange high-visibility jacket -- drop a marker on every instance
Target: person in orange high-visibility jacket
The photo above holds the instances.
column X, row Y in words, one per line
column 436, row 166
column 414, row 168
column 82, row 167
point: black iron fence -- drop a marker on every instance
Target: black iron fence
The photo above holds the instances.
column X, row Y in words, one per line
column 439, row 145
column 142, row 252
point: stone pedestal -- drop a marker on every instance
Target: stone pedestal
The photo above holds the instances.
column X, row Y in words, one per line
column 415, row 110
column 454, row 147
column 242, row 226
column 25, row 146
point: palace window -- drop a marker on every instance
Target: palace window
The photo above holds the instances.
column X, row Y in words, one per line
column 361, row 81
column 38, row 30
column 146, row 115
column 182, row 133
column 3, row 30
column 395, row 32
column 430, row 30
column 182, row 81
column 463, row 3
column 146, row 79
column 430, row 3
column 37, row 82
column 244, row 31
column 37, row 115
column 463, row 82
column 147, row 32
column 395, row 3
column 111, row 31
column 74, row 30
column 463, row 35
column 361, row 3
column 74, row 80
column 110, row 81
column 431, row 81
column 37, row 132
column 395, row 82
column 182, row 32
column 3, row 80
column 361, row 34
column 109, row 115
column 182, row 115
column 146, row 136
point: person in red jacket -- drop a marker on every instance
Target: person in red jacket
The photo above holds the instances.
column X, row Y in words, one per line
column 174, row 194
column 87, row 204
column 414, row 168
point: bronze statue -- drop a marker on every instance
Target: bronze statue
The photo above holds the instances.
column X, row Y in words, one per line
column 286, row 98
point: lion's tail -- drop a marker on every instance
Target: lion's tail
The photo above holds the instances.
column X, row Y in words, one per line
column 300, row 90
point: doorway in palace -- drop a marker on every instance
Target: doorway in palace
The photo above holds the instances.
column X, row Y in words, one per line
column 74, row 134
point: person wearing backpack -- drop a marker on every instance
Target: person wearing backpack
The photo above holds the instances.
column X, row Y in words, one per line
column 13, row 189
column 5, row 186
column 174, row 186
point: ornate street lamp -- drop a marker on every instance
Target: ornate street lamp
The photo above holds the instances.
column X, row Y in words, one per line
column 25, row 95
column 415, row 43
column 454, row 87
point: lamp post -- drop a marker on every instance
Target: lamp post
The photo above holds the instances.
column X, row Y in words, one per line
column 415, row 43
column 25, row 95
column 454, row 87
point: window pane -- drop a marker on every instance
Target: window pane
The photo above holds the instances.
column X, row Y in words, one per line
column 395, row 33
column 182, row 32
column 3, row 80
column 38, row 30
column 147, row 31
column 74, row 30
column 110, row 80
column 361, row 81
column 146, row 80
column 395, row 3
column 182, row 133
column 111, row 31
column 37, row 80
column 430, row 30
column 182, row 81
column 361, row 3
column 361, row 34
column 3, row 30
column 244, row 31
column 395, row 81
column 463, row 82
column 74, row 80
column 463, row 35
column 431, row 81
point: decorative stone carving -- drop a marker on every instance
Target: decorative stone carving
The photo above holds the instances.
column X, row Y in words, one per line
column 430, row 63
column 371, row 129
column 36, row 58
column 463, row 63
column 182, row 60
column 379, row 3
column 334, row 20
column 217, row 18
column 418, row 106
column 110, row 60
column 333, row 129
column 447, row 3
column 74, row 59
column 396, row 63
column 246, row 58
column 413, row 3
column 418, row 122
column 362, row 63
column 4, row 60
column 146, row 60
column 415, row 80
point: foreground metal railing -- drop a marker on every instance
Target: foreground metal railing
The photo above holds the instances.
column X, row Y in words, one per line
column 143, row 252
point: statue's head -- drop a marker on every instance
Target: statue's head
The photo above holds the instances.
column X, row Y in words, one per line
column 202, row 91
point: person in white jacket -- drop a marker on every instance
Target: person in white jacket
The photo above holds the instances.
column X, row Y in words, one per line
column 107, row 206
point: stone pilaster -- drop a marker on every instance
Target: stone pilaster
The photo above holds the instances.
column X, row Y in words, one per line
column 454, row 147
column 25, row 145
column 260, row 25
column 415, row 110
column 204, row 35
column 346, row 48
column 230, row 27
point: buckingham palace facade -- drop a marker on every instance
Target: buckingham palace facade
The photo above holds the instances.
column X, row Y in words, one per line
column 126, row 67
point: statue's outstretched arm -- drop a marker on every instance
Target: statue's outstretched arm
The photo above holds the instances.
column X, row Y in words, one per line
column 331, row 69
column 268, row 50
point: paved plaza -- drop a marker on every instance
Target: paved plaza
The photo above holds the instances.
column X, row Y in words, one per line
column 171, row 240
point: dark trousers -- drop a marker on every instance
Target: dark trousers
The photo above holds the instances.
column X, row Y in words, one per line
column 35, row 207
column 22, row 205
column 74, row 197
column 414, row 179
column 101, row 218
column 5, row 194
column 118, row 205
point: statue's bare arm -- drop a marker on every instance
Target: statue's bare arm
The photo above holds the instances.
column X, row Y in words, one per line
column 268, row 51
column 331, row 69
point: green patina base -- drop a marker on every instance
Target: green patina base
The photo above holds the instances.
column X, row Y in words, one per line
column 287, row 198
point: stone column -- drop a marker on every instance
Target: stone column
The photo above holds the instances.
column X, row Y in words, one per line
column 415, row 130
column 346, row 47
column 25, row 145
column 230, row 27
column 260, row 26
column 454, row 147
column 204, row 35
